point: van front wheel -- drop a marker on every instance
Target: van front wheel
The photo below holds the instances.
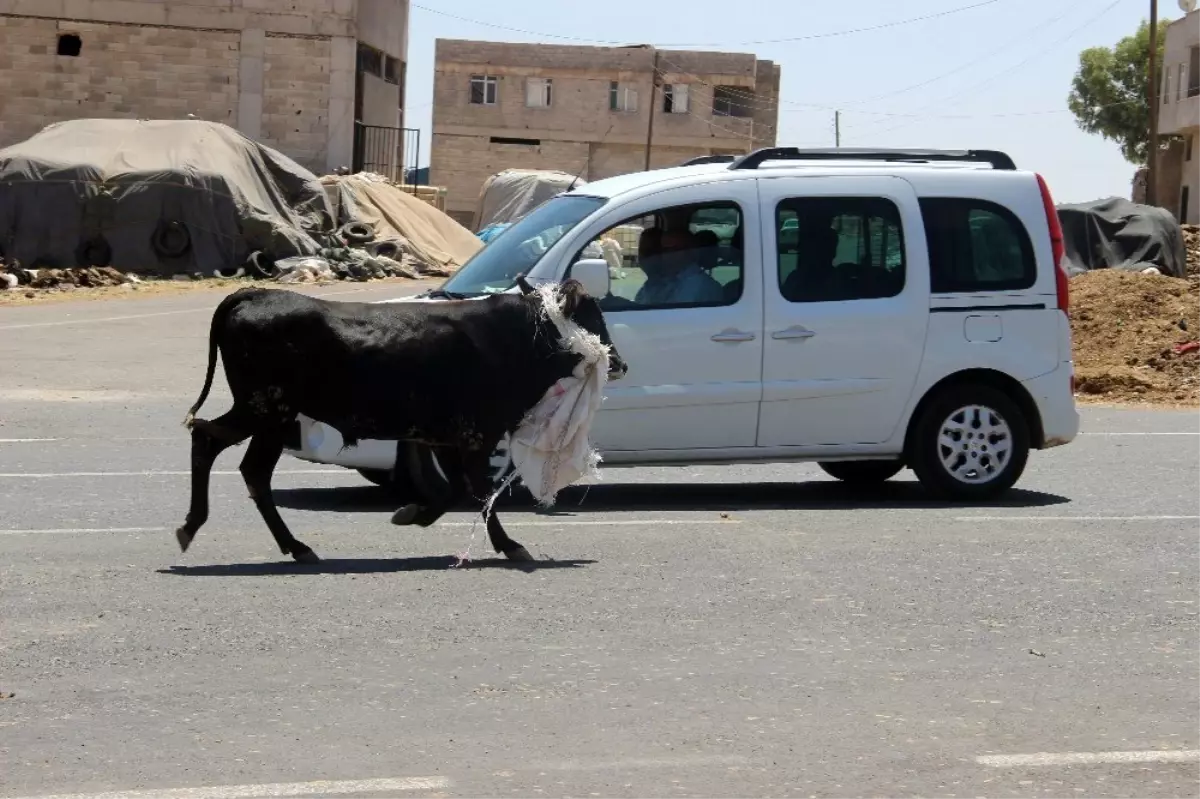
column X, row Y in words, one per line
column 971, row 443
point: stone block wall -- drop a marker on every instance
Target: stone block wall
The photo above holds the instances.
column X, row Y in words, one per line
column 124, row 71
column 295, row 111
column 280, row 72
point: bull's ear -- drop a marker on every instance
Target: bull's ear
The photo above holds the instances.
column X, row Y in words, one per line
column 572, row 293
column 524, row 285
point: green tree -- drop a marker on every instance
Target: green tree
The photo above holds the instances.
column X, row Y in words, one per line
column 1108, row 94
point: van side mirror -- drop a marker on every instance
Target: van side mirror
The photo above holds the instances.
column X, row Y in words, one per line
column 593, row 274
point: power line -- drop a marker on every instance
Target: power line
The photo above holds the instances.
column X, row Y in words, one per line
column 1040, row 52
column 1071, row 6
column 808, row 37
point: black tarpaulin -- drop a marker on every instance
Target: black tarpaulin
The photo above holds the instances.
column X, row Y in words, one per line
column 155, row 196
column 1119, row 234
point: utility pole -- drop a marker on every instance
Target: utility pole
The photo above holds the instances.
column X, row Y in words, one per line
column 837, row 128
column 1152, row 94
column 653, row 103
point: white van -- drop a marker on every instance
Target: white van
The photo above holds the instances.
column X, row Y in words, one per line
column 867, row 310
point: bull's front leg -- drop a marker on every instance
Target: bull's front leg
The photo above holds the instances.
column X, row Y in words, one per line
column 475, row 468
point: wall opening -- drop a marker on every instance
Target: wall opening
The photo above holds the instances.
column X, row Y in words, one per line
column 69, row 44
column 510, row 140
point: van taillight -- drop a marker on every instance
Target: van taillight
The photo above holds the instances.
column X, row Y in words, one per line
column 1056, row 247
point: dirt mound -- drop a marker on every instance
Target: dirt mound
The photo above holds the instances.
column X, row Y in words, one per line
column 1191, row 242
column 1130, row 334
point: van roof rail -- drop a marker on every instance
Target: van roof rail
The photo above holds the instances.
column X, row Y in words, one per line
column 995, row 158
column 709, row 159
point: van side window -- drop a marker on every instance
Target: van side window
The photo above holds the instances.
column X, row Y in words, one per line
column 686, row 256
column 833, row 249
column 976, row 245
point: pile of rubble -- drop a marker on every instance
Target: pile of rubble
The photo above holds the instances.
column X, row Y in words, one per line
column 15, row 277
column 1136, row 335
column 1191, row 242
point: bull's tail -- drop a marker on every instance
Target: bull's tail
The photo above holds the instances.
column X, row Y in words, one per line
column 218, row 320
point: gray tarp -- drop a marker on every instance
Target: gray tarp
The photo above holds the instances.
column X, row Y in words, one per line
column 432, row 239
column 121, row 180
column 509, row 195
column 1118, row 234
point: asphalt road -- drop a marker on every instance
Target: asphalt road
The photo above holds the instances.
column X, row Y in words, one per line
column 741, row 631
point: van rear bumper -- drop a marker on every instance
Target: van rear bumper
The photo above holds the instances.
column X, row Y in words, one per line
column 1054, row 395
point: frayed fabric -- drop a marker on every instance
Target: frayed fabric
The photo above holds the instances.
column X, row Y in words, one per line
column 551, row 449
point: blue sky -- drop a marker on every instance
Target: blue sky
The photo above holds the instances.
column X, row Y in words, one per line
column 995, row 76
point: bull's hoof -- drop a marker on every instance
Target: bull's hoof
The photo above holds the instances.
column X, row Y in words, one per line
column 303, row 554
column 519, row 554
column 406, row 515
column 184, row 538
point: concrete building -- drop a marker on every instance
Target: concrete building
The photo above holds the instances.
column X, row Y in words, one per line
column 586, row 110
column 297, row 76
column 1179, row 115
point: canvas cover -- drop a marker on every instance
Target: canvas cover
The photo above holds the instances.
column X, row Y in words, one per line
column 121, row 180
column 1119, row 234
column 509, row 195
column 433, row 238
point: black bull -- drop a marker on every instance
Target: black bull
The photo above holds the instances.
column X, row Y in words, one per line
column 452, row 377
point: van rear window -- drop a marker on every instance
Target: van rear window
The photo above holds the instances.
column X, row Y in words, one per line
column 976, row 245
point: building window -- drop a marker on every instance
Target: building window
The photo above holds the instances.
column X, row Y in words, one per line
column 370, row 60
column 483, row 89
column 69, row 44
column 391, row 69
column 539, row 92
column 1194, row 72
column 1166, row 89
column 622, row 98
column 732, row 101
column 675, row 98
column 1179, row 83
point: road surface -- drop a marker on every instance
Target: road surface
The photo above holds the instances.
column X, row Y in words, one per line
column 724, row 631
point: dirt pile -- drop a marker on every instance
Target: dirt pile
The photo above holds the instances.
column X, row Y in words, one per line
column 1135, row 335
column 14, row 277
column 1191, row 242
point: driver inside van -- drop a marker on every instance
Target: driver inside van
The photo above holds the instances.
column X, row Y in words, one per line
column 672, row 265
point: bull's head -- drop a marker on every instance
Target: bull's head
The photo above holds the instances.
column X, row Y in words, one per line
column 584, row 310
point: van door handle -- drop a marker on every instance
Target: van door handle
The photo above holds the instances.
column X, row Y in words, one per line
column 795, row 331
column 733, row 335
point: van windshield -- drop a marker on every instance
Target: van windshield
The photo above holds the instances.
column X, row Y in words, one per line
column 516, row 250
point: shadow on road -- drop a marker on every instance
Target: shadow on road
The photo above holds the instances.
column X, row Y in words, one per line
column 365, row 566
column 815, row 495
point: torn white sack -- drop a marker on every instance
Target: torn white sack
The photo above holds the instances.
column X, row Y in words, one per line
column 551, row 449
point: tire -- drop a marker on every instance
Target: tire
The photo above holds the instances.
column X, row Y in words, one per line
column 862, row 473
column 262, row 265
column 357, row 233
column 170, row 239
column 970, row 463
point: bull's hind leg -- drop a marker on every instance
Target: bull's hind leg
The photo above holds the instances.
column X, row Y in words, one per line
column 261, row 457
column 209, row 439
column 475, row 467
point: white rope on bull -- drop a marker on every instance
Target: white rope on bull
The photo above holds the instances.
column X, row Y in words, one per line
column 550, row 449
